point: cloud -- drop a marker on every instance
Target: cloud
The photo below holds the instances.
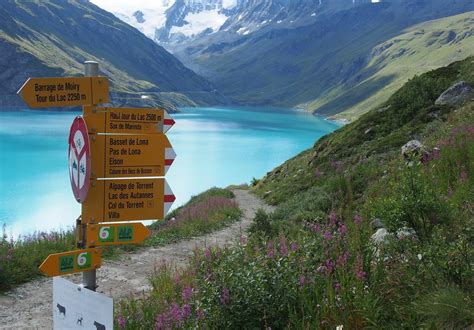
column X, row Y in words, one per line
column 126, row 6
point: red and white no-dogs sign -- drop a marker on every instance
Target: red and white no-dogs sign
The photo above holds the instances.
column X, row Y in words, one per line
column 79, row 159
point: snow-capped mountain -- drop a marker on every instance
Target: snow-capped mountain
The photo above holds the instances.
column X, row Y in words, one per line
column 172, row 22
column 168, row 21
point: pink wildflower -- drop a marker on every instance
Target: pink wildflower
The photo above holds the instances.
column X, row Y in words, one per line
column 357, row 219
column 160, row 322
column 283, row 247
column 177, row 279
column 270, row 250
column 294, row 246
column 225, row 296
column 332, row 218
column 358, row 268
column 315, row 228
column 342, row 229
column 207, row 254
column 302, row 280
column 342, row 259
column 187, row 292
column 327, row 235
column 176, row 312
column 121, row 322
column 199, row 314
column 329, row 266
column 186, row 311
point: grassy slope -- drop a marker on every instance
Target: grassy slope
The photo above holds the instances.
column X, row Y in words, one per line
column 369, row 141
column 61, row 35
column 422, row 48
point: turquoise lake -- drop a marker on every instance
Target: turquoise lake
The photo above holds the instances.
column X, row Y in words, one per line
column 214, row 146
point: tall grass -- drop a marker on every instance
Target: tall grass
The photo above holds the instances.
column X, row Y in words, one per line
column 20, row 258
column 204, row 213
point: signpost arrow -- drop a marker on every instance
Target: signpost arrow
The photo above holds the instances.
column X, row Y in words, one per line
column 61, row 92
column 127, row 200
column 115, row 156
column 127, row 120
column 71, row 262
column 115, row 234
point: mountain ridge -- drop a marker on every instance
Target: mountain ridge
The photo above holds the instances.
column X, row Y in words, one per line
column 295, row 67
column 143, row 73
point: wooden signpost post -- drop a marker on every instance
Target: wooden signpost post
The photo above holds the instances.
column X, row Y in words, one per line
column 117, row 160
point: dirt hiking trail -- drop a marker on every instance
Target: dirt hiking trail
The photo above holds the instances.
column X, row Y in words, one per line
column 29, row 306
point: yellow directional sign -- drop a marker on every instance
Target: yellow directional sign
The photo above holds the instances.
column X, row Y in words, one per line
column 61, row 92
column 127, row 120
column 115, row 156
column 115, row 234
column 127, row 200
column 71, row 262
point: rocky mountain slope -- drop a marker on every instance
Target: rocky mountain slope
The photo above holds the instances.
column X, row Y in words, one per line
column 54, row 38
column 175, row 23
column 317, row 66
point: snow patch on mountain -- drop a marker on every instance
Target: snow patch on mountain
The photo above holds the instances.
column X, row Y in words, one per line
column 151, row 14
column 199, row 22
column 229, row 4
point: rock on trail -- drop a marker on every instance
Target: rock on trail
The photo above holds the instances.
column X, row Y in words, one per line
column 29, row 305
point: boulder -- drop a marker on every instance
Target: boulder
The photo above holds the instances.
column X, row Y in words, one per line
column 405, row 232
column 456, row 94
column 380, row 236
column 376, row 224
column 412, row 149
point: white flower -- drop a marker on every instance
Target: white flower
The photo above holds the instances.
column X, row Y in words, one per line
column 339, row 327
column 419, row 256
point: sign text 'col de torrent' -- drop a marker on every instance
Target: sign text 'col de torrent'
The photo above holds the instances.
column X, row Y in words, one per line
column 118, row 158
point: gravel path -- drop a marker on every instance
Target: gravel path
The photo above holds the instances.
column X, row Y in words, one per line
column 29, row 306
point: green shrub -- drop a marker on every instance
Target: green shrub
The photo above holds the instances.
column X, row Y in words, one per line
column 310, row 204
column 261, row 225
column 447, row 308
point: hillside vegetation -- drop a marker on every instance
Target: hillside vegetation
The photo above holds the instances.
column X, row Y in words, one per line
column 372, row 140
column 54, row 38
column 314, row 263
column 422, row 48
